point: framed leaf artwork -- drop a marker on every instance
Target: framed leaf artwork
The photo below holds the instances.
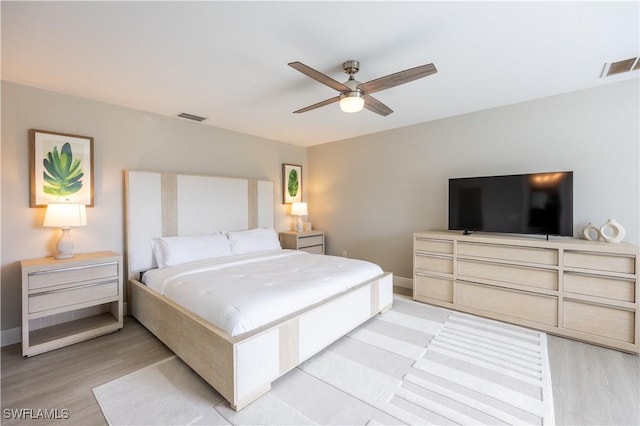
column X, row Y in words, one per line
column 60, row 168
column 291, row 183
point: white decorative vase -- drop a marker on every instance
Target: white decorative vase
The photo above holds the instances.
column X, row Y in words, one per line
column 612, row 231
column 588, row 230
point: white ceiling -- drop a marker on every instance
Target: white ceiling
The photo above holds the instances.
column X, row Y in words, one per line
column 228, row 60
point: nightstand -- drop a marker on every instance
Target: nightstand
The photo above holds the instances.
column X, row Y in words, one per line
column 70, row 300
column 309, row 241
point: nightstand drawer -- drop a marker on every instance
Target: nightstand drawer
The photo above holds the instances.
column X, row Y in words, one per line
column 72, row 296
column 313, row 249
column 49, row 278
column 316, row 240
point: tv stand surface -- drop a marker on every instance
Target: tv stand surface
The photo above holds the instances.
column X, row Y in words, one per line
column 580, row 289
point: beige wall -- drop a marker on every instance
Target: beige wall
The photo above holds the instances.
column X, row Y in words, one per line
column 371, row 193
column 123, row 139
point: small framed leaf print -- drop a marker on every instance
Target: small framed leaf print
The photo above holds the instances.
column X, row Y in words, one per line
column 291, row 183
column 61, row 168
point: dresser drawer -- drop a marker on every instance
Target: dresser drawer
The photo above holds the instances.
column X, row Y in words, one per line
column 509, row 274
column 600, row 262
column 599, row 320
column 72, row 296
column 600, row 286
column 434, row 263
column 310, row 241
column 314, row 249
column 49, row 278
column 434, row 288
column 541, row 256
column 434, row 246
column 515, row 304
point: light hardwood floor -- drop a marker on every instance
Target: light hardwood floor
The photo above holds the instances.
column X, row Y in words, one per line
column 591, row 385
column 63, row 379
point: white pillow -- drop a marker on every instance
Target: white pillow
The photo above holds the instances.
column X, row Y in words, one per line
column 253, row 240
column 171, row 251
column 157, row 252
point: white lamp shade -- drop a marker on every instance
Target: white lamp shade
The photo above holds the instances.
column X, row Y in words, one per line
column 351, row 103
column 299, row 209
column 65, row 215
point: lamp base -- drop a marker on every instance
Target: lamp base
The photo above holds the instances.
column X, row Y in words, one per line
column 65, row 245
column 65, row 256
column 299, row 225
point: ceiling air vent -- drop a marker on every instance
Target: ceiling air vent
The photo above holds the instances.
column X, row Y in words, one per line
column 620, row 67
column 191, row 116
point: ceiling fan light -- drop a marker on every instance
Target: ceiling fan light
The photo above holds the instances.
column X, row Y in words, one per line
column 351, row 102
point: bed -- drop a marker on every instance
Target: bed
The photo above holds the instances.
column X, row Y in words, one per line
column 239, row 355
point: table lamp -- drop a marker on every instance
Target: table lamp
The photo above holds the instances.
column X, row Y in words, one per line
column 299, row 209
column 65, row 216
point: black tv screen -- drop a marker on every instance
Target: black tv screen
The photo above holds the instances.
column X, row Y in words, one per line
column 537, row 203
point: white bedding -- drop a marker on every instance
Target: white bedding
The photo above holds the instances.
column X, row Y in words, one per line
column 240, row 293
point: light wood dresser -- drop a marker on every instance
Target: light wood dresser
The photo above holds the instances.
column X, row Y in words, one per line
column 70, row 300
column 579, row 289
column 309, row 241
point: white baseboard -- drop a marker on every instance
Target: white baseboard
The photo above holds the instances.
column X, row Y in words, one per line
column 11, row 336
column 403, row 282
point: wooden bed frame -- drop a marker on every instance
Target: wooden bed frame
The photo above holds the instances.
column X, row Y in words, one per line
column 240, row 368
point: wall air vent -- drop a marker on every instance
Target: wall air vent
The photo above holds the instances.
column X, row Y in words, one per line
column 620, row 67
column 191, row 116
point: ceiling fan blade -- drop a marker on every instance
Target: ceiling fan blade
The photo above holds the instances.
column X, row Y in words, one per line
column 318, row 76
column 398, row 78
column 372, row 104
column 318, row 105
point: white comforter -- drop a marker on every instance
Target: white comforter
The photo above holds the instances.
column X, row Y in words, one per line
column 240, row 293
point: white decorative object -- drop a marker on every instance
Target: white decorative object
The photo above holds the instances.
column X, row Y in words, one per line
column 612, row 231
column 588, row 230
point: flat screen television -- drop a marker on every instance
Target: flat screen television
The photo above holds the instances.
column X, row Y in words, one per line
column 536, row 203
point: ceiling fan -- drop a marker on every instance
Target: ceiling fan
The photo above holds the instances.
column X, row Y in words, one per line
column 355, row 95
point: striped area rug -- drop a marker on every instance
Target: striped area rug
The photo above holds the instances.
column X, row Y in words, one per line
column 416, row 364
column 471, row 371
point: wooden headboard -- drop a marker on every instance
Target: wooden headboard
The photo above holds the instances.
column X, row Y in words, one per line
column 161, row 204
